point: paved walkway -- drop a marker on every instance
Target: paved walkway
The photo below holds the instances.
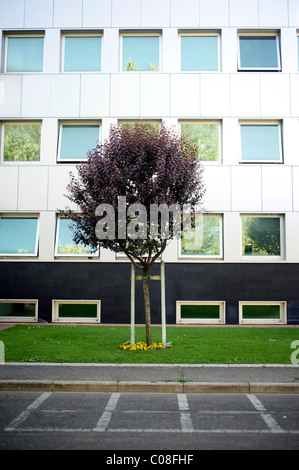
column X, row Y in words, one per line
column 177, row 378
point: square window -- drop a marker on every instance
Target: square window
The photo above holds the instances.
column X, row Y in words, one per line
column 262, row 312
column 199, row 53
column 18, row 310
column 65, row 244
column 140, row 53
column 261, row 236
column 207, row 136
column 204, row 240
column 76, row 311
column 259, row 52
column 24, row 54
column 21, row 142
column 76, row 140
column 200, row 312
column 261, row 143
column 82, row 53
column 18, row 236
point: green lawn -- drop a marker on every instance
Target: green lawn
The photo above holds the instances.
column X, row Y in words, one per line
column 101, row 344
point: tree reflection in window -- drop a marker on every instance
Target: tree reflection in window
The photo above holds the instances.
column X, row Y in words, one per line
column 261, row 236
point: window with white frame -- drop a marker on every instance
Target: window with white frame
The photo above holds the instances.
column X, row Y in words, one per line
column 200, row 52
column 259, row 52
column 76, row 139
column 200, row 311
column 261, row 142
column 19, row 235
column 207, row 136
column 80, row 311
column 82, row 52
column 204, row 240
column 262, row 312
column 298, row 50
column 262, row 235
column 140, row 52
column 65, row 245
column 24, row 53
column 18, row 310
column 21, row 141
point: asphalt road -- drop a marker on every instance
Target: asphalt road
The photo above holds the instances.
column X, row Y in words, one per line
column 154, row 422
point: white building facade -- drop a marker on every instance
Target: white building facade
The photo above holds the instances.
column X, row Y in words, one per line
column 224, row 71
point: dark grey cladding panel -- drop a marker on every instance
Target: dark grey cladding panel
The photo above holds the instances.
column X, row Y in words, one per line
column 110, row 282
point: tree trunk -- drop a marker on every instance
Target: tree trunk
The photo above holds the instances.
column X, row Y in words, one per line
column 147, row 307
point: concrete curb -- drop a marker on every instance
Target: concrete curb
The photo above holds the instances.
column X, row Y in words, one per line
column 152, row 387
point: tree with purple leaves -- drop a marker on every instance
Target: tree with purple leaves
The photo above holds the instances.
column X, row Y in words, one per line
column 126, row 188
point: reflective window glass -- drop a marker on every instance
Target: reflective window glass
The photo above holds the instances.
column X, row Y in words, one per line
column 18, row 235
column 199, row 53
column 65, row 244
column 25, row 54
column 203, row 240
column 21, row 142
column 206, row 136
column 140, row 53
column 258, row 52
column 261, row 143
column 82, row 53
column 77, row 140
column 261, row 236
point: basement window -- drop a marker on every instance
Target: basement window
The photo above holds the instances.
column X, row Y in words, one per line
column 262, row 312
column 18, row 310
column 76, row 311
column 200, row 312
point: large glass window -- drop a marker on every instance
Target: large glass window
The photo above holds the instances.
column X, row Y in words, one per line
column 76, row 140
column 21, row 142
column 82, row 53
column 65, row 244
column 199, row 53
column 261, row 143
column 261, row 235
column 259, row 52
column 203, row 240
column 207, row 136
column 24, row 54
column 76, row 310
column 18, row 310
column 262, row 312
column 200, row 312
column 18, row 236
column 140, row 53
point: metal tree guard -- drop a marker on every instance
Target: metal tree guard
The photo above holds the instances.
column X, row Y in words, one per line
column 163, row 301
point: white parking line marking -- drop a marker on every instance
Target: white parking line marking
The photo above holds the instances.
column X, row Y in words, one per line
column 106, row 416
column 186, row 421
column 269, row 420
column 24, row 415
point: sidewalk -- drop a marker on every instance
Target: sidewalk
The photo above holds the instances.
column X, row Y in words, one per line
column 171, row 378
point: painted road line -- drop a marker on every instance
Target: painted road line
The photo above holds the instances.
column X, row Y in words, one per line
column 24, row 415
column 269, row 420
column 107, row 414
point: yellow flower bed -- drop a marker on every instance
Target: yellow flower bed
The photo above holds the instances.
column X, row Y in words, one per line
column 140, row 346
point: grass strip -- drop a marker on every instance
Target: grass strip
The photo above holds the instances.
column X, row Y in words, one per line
column 190, row 345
